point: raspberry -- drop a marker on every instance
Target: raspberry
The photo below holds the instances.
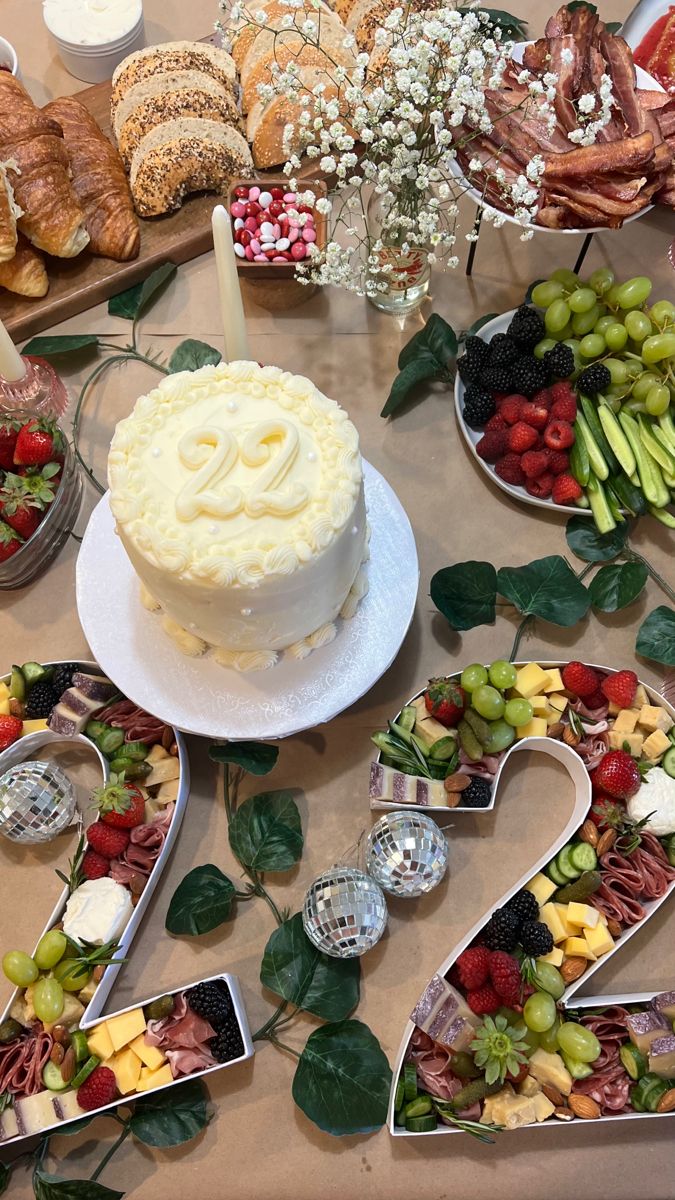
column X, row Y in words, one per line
column 483, row 1000
column 566, row 489
column 492, row 445
column 509, row 408
column 597, row 700
column 543, row 398
column 534, row 463
column 535, row 415
column 559, row 435
column 558, row 462
column 505, row 976
column 97, row 1090
column 473, row 967
column 509, row 469
column 106, row 840
column 565, row 409
column 562, row 391
column 94, row 865
column 542, row 486
column 521, row 437
column 495, row 423
column 620, row 688
column 580, row 679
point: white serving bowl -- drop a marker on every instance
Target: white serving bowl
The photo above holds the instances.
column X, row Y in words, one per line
column 96, row 63
column 9, row 58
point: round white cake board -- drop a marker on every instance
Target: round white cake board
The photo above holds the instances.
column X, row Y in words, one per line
column 199, row 696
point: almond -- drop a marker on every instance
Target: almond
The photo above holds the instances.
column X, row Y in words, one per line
column 98, row 973
column 69, row 1065
column 553, row 1095
column 589, row 833
column 614, row 927
column 556, row 731
column 570, row 737
column 563, row 1113
column 667, row 1101
column 60, row 1034
column 456, row 782
column 572, row 968
column 585, row 1107
column 57, row 1053
column 173, row 750
column 606, row 842
column 167, row 737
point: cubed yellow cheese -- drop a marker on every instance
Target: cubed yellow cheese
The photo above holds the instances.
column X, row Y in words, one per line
column 555, row 683
column 127, row 1068
column 154, row 1079
column 626, row 720
column 540, row 705
column 165, row 769
column 582, row 915
column 99, row 1042
column 552, row 716
column 578, row 947
column 150, row 1056
column 124, row 1028
column 554, row 957
column 155, row 753
column 550, row 916
column 542, row 1106
column 562, row 912
column 542, row 888
column 655, row 745
column 631, row 742
column 167, row 792
column 4, row 708
column 33, row 726
column 599, row 939
column 426, row 726
column 529, row 1087
column 559, row 703
column 531, row 680
column 537, row 727
column 653, row 717
column 614, row 709
column 641, row 696
column 550, row 1069
column 4, row 691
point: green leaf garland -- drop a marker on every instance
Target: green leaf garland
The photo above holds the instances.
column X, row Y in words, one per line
column 135, row 300
column 584, row 540
column 617, row 585
column 170, row 1118
column 53, row 1187
column 266, row 833
column 546, row 588
column 466, row 593
column 425, row 366
column 202, row 901
column 191, row 354
column 343, row 1079
column 295, row 970
column 656, row 636
column 55, row 345
column 258, row 758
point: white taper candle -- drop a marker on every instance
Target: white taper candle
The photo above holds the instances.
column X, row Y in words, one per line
column 231, row 307
column 12, row 366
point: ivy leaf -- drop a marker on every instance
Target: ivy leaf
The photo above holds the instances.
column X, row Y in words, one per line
column 466, row 593
column 478, row 325
column 528, row 294
column 131, row 303
column 52, row 347
column 437, row 337
column 613, row 26
column 192, row 354
column 5, row 1175
column 546, row 588
column 342, row 1080
column 266, row 833
column 53, row 1187
column 298, row 972
column 202, row 901
column 617, row 585
column 258, row 758
column 73, row 1127
column 170, row 1118
column 584, row 540
column 656, row 636
column 581, row 4
column 425, row 366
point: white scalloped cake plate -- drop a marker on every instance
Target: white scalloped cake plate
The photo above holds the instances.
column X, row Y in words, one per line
column 199, row 696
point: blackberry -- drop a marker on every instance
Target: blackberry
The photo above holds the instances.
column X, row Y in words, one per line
column 536, row 939
column 503, row 350
column 524, row 905
column 469, row 369
column 497, row 379
column 593, row 380
column 63, row 676
column 560, row 361
column 477, row 795
column 41, row 700
column 529, row 375
column 228, row 1043
column 526, row 327
column 213, row 1002
column 501, row 931
column 478, row 407
column 476, row 349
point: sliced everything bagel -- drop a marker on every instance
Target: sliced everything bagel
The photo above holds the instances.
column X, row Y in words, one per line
column 183, row 156
column 171, row 56
column 168, row 98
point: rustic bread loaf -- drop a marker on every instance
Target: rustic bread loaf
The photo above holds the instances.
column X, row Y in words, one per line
column 288, row 49
column 183, row 156
column 246, row 32
column 178, row 94
column 171, row 56
column 267, row 122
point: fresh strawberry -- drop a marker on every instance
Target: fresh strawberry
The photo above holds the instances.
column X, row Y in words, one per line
column 620, row 688
column 566, row 489
column 10, row 542
column 565, row 409
column 558, row 435
column 617, row 774
column 107, row 840
column 445, row 700
column 94, row 866
column 580, row 679
column 509, row 469
column 9, row 430
column 542, row 486
column 18, row 507
column 98, row 1089
column 492, row 445
column 10, row 730
column 534, row 463
column 521, row 437
column 522, row 1074
column 606, row 813
column 473, row 967
column 510, row 409
column 534, row 414
column 120, row 804
column 505, row 976
column 495, row 423
column 558, row 462
column 483, row 1000
column 39, row 442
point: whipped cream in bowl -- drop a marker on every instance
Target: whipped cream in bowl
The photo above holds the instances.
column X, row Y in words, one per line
column 91, row 22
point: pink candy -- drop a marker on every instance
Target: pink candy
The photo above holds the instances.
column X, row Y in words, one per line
column 298, row 250
column 238, row 209
column 308, row 235
column 264, row 231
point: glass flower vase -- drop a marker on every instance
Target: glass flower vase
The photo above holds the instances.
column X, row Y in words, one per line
column 407, row 280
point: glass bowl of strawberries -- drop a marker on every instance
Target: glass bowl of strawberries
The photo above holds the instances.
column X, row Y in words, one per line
column 40, row 494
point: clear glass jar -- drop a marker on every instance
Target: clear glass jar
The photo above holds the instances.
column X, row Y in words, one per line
column 408, row 283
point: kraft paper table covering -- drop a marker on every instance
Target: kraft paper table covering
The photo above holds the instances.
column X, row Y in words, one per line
column 258, row 1142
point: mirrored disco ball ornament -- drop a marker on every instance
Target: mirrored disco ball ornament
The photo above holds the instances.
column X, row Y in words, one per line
column 37, row 802
column 406, row 853
column 345, row 912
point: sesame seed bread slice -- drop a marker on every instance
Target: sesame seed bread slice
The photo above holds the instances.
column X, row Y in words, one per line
column 168, row 98
column 171, row 56
column 183, row 156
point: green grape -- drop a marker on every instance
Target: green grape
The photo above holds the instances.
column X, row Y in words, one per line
column 655, row 349
column 601, row 280
column 71, row 974
column 473, row 676
column 578, row 1041
column 19, row 968
column 548, row 979
column 657, row 400
column 556, row 316
column 592, row 346
column 488, row 702
column 617, row 369
column 604, row 323
column 663, row 312
column 634, row 368
column 540, row 1012
column 616, row 335
column 502, row 674
column 48, row 999
column 638, row 325
column 544, row 294
column 531, row 1039
column 518, row 712
column 643, row 384
column 583, row 323
column 569, row 280
column 50, row 949
column 542, row 346
column 634, row 292
column 632, row 406
column 561, row 334
column 548, row 1040
column 582, row 300
column 501, row 736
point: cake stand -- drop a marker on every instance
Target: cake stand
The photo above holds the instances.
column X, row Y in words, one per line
column 199, row 696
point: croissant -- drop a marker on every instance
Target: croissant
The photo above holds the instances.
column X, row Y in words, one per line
column 99, row 181
column 8, row 214
column 25, row 273
column 32, row 146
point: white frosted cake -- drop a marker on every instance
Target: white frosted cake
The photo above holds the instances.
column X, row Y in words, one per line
column 238, row 495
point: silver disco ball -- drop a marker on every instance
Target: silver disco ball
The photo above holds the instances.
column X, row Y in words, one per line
column 406, row 853
column 37, row 802
column 345, row 912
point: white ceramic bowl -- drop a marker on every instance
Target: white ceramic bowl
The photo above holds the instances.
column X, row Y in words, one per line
column 96, row 63
column 8, row 58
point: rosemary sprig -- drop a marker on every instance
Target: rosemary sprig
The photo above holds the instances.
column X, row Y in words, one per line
column 74, row 877
column 480, row 1132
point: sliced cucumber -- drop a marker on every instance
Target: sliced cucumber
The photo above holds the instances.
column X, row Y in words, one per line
column 576, row 1068
column 634, row 1060
column 580, row 889
column 555, row 874
column 398, row 1099
column 593, row 421
column 421, row 1124
column 85, row 1070
column 409, row 1081
column 635, row 1100
column 17, row 684
column 110, row 741
column 617, row 439
column 399, row 1119
column 406, row 720
column 52, row 1078
column 668, row 762
column 443, row 749
column 583, row 857
column 419, row 1107
column 94, row 729
column 130, row 768
column 78, row 1040
column 565, row 865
